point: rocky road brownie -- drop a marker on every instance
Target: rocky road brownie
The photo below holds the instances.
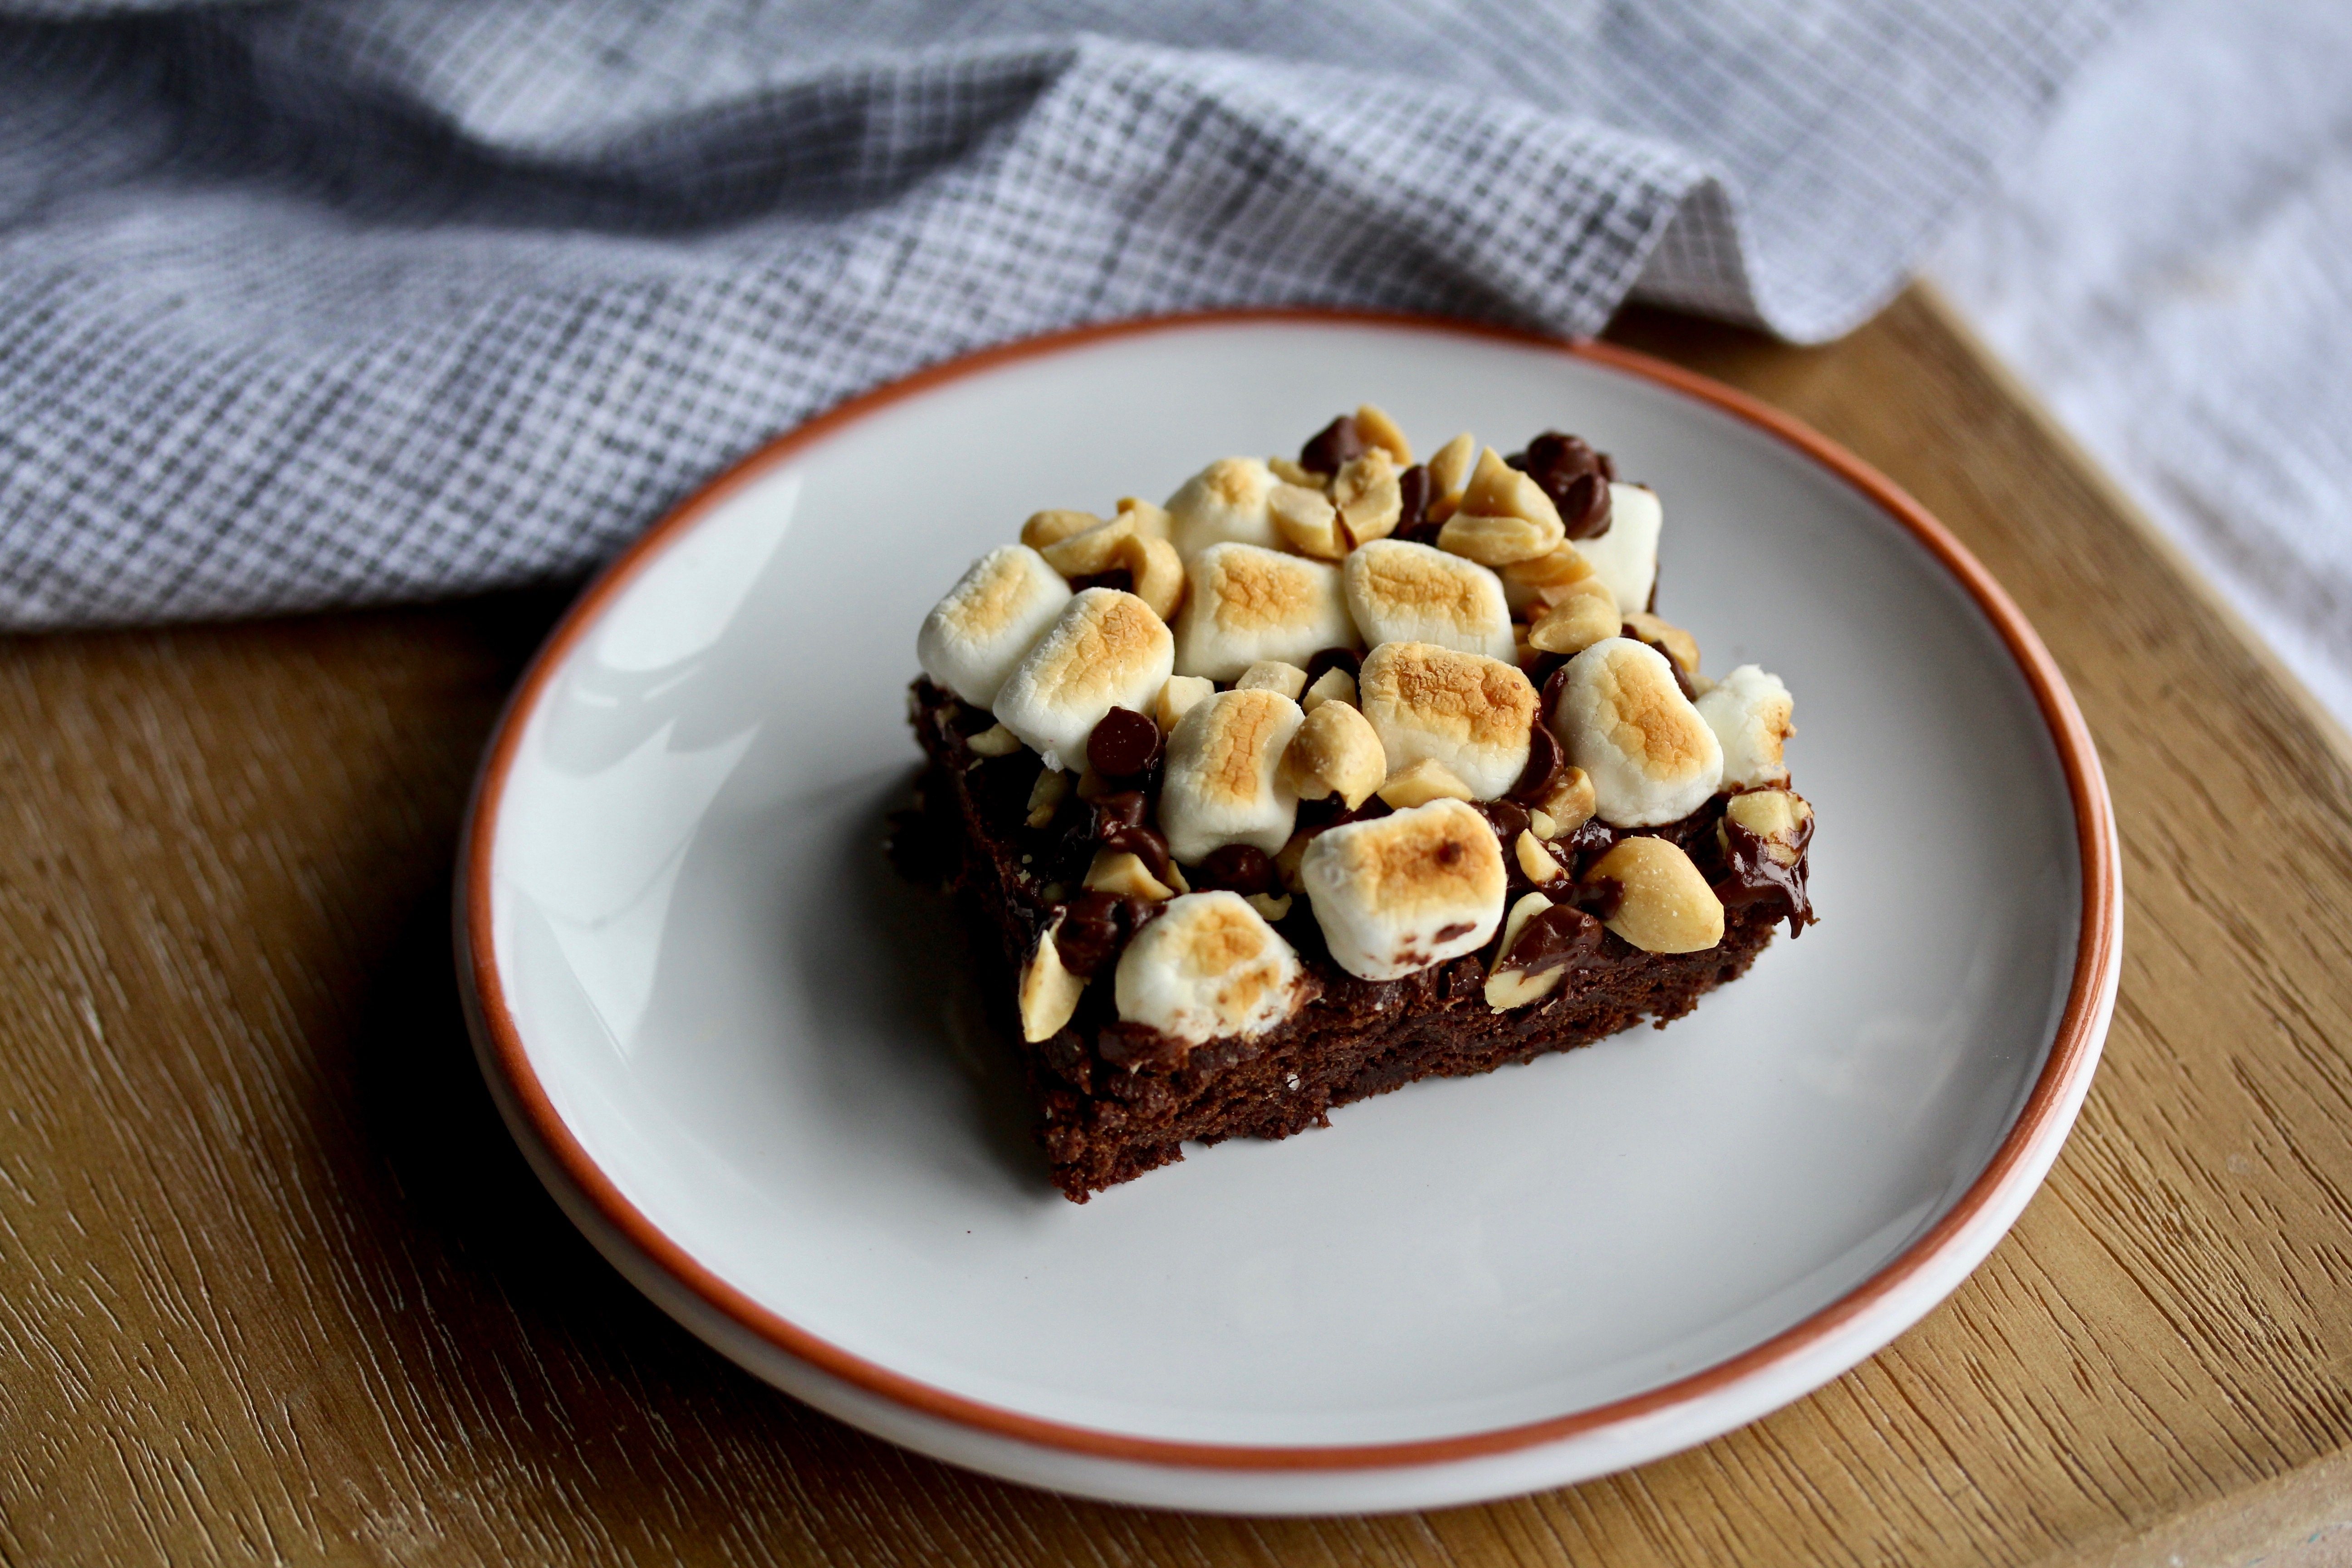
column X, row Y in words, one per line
column 1334, row 773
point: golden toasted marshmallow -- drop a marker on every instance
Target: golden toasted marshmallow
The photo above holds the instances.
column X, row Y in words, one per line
column 1247, row 605
column 1395, row 894
column 1752, row 716
column 1623, row 719
column 1105, row 650
column 1228, row 502
column 972, row 638
column 1224, row 781
column 1468, row 712
column 1399, row 592
column 1209, row 968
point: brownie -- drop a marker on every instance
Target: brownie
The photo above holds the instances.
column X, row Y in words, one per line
column 1020, row 822
column 1115, row 1099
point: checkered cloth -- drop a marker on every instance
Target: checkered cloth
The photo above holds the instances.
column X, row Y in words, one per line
column 315, row 304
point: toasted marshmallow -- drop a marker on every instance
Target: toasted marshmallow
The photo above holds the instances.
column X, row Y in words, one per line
column 1751, row 713
column 1395, row 894
column 1464, row 710
column 1225, row 783
column 1623, row 720
column 1247, row 605
column 1230, row 502
column 997, row 610
column 1105, row 650
column 1399, row 592
column 1626, row 557
column 1209, row 968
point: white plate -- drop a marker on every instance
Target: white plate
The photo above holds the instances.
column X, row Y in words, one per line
column 748, row 1060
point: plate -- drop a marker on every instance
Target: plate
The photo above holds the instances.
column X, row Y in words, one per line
column 751, row 1063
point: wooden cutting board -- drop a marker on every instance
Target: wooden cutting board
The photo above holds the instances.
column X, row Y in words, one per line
column 275, row 1284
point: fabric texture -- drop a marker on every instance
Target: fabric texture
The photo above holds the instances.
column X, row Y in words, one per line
column 314, row 304
column 2172, row 268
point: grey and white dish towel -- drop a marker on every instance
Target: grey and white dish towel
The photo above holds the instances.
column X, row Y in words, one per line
column 311, row 304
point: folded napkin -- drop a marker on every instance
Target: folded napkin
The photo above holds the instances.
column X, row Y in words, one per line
column 313, row 304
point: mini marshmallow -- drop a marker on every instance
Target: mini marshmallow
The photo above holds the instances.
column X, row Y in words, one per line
column 1626, row 557
column 1395, row 894
column 1247, row 605
column 1229, row 501
column 1749, row 712
column 1623, row 719
column 1469, row 713
column 1105, row 650
column 1399, row 592
column 1208, row 968
column 995, row 612
column 1224, row 781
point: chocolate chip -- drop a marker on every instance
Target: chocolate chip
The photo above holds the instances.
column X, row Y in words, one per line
column 1124, row 745
column 1243, row 868
column 1413, row 488
column 1333, row 447
column 1574, row 475
column 1546, row 763
column 1089, row 932
column 1333, row 658
column 1122, row 808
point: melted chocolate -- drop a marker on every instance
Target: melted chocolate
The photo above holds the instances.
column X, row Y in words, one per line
column 1333, row 447
column 1243, row 868
column 1413, row 486
column 1547, row 763
column 1507, row 817
column 1562, row 937
column 1751, row 875
column 1144, row 843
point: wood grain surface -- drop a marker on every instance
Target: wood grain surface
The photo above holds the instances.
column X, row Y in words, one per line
column 275, row 1285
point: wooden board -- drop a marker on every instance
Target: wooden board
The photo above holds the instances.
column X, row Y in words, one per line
column 274, row 1282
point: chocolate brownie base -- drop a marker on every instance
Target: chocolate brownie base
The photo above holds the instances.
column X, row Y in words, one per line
column 1114, row 1101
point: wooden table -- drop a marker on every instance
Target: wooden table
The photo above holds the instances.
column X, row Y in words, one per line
column 275, row 1284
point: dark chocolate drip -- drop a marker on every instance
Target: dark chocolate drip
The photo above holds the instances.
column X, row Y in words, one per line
column 1574, row 475
column 1333, row 447
column 1753, row 876
column 1562, row 937
column 1599, row 897
column 1144, row 843
column 1507, row 817
column 1547, row 763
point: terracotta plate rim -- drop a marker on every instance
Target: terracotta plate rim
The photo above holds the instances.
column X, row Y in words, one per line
column 2046, row 1113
